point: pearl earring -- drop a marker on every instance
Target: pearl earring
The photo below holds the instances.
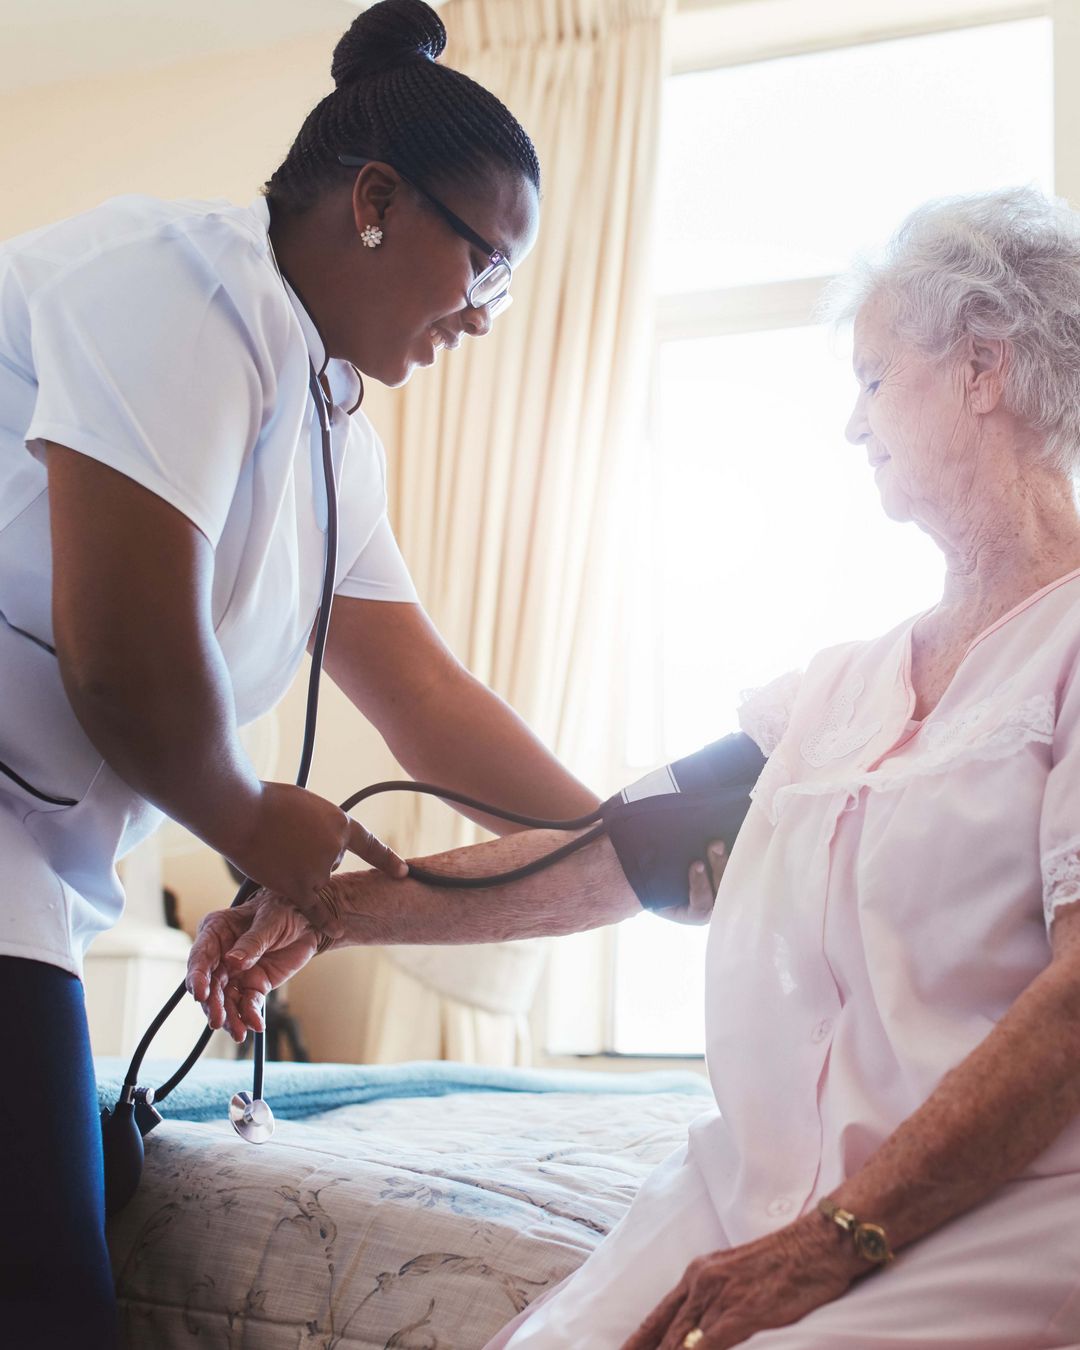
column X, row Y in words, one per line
column 371, row 236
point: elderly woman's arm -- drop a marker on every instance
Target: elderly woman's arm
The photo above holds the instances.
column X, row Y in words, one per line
column 987, row 1120
column 585, row 890
column 240, row 954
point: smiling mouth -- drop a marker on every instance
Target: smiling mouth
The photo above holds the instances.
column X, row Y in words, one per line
column 443, row 339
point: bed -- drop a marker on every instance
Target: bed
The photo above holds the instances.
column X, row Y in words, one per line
column 414, row 1206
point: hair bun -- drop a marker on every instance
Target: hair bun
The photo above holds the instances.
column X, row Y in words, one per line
column 389, row 34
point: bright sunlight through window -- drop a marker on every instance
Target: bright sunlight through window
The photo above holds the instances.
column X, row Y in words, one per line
column 767, row 538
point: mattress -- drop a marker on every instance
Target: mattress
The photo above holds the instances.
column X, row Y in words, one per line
column 417, row 1222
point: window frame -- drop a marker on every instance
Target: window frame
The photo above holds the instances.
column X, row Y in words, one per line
column 710, row 34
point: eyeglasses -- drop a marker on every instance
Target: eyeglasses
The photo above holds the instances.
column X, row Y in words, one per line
column 490, row 287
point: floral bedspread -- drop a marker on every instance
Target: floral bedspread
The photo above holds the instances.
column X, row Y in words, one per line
column 416, row 1223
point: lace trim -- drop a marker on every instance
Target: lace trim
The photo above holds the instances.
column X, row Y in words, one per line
column 764, row 713
column 834, row 737
column 1061, row 878
column 1029, row 722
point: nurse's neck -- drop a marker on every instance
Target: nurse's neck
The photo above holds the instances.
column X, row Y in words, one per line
column 314, row 249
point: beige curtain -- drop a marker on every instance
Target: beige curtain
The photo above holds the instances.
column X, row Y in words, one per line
column 508, row 460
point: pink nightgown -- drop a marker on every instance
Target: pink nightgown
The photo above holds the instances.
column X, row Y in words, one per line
column 887, row 901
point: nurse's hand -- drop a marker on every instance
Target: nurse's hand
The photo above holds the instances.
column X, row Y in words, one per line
column 240, row 954
column 294, row 841
column 703, row 883
column 731, row 1295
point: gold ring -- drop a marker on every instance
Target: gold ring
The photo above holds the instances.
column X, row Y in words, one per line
column 693, row 1338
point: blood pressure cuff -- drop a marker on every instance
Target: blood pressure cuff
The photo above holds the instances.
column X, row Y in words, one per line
column 665, row 821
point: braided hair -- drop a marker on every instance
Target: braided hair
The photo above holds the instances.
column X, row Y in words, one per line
column 393, row 103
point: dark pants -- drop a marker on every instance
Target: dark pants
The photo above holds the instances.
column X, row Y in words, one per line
column 56, row 1287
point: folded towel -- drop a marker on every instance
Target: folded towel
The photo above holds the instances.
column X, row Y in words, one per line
column 299, row 1090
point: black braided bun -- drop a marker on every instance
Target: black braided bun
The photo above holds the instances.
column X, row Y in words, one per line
column 393, row 102
column 387, row 35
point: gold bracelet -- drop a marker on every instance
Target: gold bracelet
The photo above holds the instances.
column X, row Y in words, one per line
column 327, row 940
column 869, row 1239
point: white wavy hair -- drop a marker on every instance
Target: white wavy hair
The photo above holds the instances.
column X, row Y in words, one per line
column 1001, row 265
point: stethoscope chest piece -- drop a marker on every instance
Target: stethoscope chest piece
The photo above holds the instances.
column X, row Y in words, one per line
column 251, row 1118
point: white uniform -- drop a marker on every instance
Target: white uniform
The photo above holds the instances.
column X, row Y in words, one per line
column 158, row 338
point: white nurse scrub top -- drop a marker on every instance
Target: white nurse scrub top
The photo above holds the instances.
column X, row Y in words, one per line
column 158, row 338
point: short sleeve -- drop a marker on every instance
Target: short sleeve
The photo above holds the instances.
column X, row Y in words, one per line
column 145, row 362
column 380, row 572
column 764, row 713
column 1059, row 825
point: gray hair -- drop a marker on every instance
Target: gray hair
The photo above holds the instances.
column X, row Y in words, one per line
column 1002, row 265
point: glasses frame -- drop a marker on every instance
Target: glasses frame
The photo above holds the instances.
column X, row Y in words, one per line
column 497, row 263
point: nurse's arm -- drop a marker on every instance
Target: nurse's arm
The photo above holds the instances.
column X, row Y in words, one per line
column 441, row 723
column 140, row 663
column 142, row 669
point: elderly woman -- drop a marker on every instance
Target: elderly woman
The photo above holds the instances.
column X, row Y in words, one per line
column 894, row 961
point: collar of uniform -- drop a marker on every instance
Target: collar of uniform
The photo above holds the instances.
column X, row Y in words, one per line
column 341, row 378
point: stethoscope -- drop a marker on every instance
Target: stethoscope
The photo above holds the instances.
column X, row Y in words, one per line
column 135, row 1113
column 708, row 790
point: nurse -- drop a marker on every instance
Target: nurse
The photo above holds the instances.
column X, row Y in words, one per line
column 162, row 528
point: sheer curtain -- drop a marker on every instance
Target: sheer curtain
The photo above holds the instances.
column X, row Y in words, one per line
column 508, row 461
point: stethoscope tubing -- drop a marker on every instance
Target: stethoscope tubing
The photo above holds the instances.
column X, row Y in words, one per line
column 439, row 879
column 248, row 888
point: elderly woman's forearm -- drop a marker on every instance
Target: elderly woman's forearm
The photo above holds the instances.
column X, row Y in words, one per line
column 987, row 1120
column 586, row 890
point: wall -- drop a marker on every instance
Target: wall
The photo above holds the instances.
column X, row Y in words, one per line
column 215, row 127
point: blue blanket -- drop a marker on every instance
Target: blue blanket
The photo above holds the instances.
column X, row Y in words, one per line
column 299, row 1090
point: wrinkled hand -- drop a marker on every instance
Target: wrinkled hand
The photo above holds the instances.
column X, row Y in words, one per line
column 704, row 882
column 732, row 1295
column 295, row 839
column 240, row 954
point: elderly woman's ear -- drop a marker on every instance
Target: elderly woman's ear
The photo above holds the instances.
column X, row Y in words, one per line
column 985, row 367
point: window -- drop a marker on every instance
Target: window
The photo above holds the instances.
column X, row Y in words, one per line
column 768, row 540
column 786, row 168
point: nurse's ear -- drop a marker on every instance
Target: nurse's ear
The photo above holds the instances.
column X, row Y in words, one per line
column 374, row 191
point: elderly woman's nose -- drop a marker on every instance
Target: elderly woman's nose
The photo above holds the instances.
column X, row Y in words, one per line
column 857, row 430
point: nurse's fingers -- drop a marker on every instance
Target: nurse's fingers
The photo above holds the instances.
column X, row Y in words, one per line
column 372, row 849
